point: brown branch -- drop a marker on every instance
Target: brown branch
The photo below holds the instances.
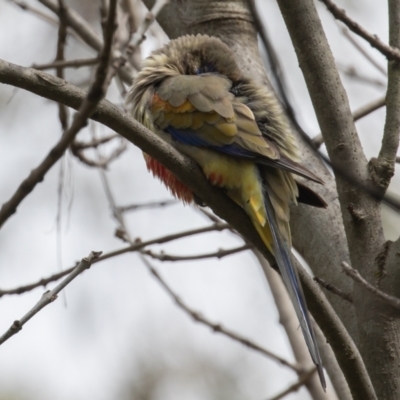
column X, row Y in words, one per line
column 333, row 289
column 390, row 52
column 138, row 36
column 215, row 327
column 382, row 169
column 102, row 162
column 352, row 72
column 296, row 386
column 136, row 246
column 67, row 64
column 216, row 254
column 362, row 51
column 95, row 142
column 61, row 42
column 358, row 114
column 355, row 275
column 87, row 34
column 150, row 204
column 94, row 96
column 49, row 296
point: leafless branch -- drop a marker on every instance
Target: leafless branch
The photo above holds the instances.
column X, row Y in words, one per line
column 138, row 36
column 362, row 51
column 355, row 275
column 391, row 53
column 150, row 204
column 215, row 327
column 49, row 296
column 102, row 162
column 358, row 114
column 96, row 93
column 95, row 142
column 67, row 64
column 296, row 386
column 382, row 169
column 352, row 72
column 216, row 254
column 333, row 289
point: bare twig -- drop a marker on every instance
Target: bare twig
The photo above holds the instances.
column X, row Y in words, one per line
column 296, row 386
column 67, row 64
column 135, row 246
column 102, row 162
column 39, row 13
column 138, row 36
column 371, row 59
column 49, row 296
column 96, row 93
column 95, row 142
column 215, row 327
column 355, row 275
column 358, row 114
column 216, row 254
column 356, row 75
column 150, row 204
column 333, row 289
column 390, row 52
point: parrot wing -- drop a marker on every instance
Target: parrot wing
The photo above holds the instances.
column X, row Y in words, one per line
column 199, row 110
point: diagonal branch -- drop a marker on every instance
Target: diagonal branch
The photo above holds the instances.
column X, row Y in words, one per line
column 49, row 296
column 215, row 327
column 87, row 108
column 390, row 52
column 355, row 275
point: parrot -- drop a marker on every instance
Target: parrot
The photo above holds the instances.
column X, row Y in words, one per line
column 193, row 95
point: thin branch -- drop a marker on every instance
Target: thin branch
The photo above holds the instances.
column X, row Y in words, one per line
column 390, row 52
column 87, row 34
column 94, row 96
column 150, row 204
column 138, row 36
column 136, row 246
column 215, row 327
column 352, row 72
column 85, row 62
column 296, row 386
column 358, row 114
column 216, row 254
column 95, row 142
column 103, row 162
column 362, row 51
column 49, row 296
column 383, row 168
column 355, row 275
column 333, row 289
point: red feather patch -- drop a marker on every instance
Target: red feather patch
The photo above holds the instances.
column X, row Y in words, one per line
column 177, row 188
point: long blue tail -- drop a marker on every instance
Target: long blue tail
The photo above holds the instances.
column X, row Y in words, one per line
column 293, row 286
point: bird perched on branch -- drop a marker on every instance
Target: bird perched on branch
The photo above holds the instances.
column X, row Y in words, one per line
column 193, row 95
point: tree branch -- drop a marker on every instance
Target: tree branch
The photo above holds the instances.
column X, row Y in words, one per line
column 215, row 327
column 49, row 296
column 390, row 52
column 383, row 168
column 86, row 109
